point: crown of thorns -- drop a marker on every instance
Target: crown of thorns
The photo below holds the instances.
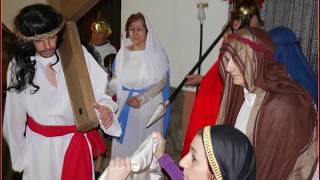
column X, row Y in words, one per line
column 40, row 36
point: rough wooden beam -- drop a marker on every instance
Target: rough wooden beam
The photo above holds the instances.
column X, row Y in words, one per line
column 73, row 9
column 74, row 66
column 77, row 79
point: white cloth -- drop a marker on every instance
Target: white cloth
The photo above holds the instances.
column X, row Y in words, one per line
column 154, row 66
column 37, row 156
column 244, row 113
column 132, row 66
column 143, row 160
column 316, row 174
column 105, row 50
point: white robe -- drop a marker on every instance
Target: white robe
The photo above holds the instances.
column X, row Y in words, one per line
column 135, row 132
column 37, row 156
column 244, row 113
column 139, row 70
column 105, row 50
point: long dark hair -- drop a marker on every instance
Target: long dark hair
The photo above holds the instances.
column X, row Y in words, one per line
column 32, row 20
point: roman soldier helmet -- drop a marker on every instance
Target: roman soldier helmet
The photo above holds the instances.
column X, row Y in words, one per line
column 244, row 10
column 101, row 26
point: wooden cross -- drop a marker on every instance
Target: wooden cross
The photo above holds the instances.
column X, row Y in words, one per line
column 74, row 65
column 72, row 57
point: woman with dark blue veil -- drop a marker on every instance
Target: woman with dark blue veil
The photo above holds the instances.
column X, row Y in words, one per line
column 289, row 53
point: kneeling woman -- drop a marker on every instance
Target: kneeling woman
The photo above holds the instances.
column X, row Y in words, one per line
column 217, row 152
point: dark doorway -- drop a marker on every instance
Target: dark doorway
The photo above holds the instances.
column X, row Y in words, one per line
column 106, row 9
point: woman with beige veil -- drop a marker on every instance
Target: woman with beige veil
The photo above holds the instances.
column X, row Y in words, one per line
column 261, row 100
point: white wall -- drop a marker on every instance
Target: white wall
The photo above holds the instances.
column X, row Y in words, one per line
column 10, row 9
column 178, row 28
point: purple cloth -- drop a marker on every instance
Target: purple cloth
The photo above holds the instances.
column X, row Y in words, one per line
column 167, row 163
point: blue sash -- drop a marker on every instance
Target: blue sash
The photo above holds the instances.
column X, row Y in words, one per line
column 167, row 115
column 123, row 116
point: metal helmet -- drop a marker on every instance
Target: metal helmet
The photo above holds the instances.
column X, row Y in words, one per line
column 101, row 26
column 244, row 10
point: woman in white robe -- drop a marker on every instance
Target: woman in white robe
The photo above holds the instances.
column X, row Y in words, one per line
column 141, row 75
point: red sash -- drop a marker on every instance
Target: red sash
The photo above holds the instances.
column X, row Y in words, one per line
column 77, row 162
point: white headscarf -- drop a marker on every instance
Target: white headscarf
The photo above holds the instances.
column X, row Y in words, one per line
column 155, row 62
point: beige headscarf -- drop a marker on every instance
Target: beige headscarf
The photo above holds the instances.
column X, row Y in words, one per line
column 283, row 119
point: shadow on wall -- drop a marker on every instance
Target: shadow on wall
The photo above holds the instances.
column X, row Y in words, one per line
column 109, row 10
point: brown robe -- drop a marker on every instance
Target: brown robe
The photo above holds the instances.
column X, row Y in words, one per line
column 282, row 125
